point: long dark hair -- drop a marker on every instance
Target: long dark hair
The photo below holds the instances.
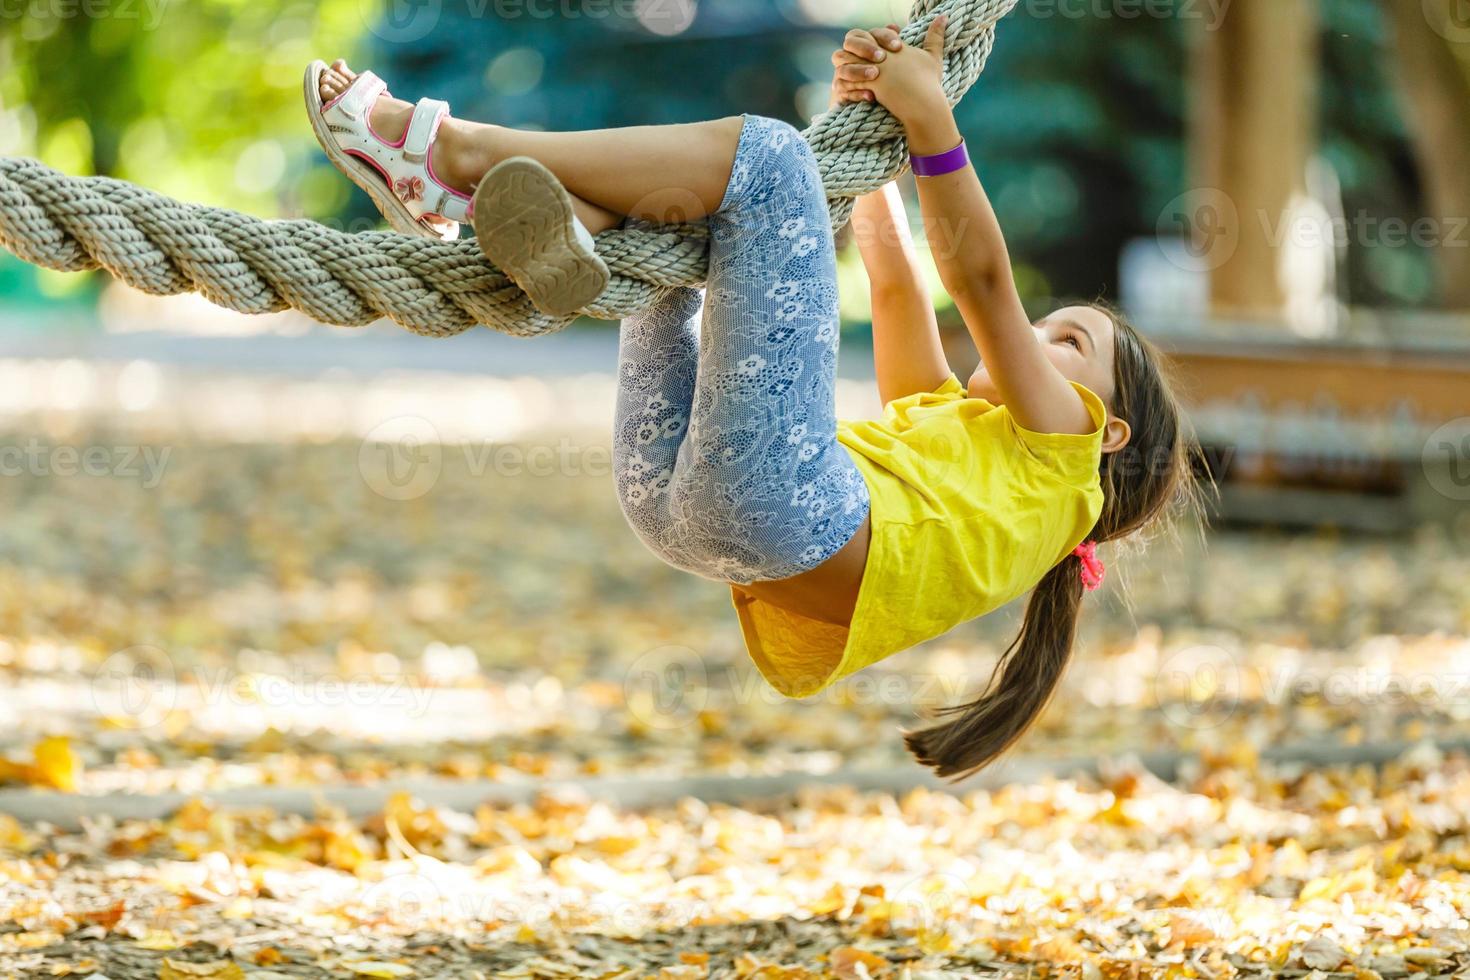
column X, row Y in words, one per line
column 1141, row 483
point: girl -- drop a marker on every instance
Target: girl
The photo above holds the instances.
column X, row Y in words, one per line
column 843, row 542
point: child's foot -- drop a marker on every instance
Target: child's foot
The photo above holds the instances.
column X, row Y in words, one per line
column 388, row 116
column 526, row 223
column 412, row 172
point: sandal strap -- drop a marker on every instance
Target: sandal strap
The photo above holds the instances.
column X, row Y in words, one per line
column 423, row 126
column 450, row 205
column 361, row 95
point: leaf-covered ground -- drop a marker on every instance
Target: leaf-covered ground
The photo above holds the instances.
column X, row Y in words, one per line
column 1244, row 871
column 240, row 591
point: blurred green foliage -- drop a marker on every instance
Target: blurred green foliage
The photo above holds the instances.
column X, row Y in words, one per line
column 199, row 98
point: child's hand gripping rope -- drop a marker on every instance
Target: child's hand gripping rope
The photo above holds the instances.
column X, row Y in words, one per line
column 876, row 66
column 856, row 64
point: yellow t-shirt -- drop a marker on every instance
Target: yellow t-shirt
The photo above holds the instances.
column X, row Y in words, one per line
column 969, row 511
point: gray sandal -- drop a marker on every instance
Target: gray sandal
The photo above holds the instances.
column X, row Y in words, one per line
column 525, row 223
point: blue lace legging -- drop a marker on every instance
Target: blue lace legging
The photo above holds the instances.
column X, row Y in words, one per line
column 725, row 449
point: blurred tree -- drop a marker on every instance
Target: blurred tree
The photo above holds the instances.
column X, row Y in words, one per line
column 1254, row 129
column 1433, row 74
column 598, row 64
column 1364, row 139
column 199, row 99
column 1076, row 130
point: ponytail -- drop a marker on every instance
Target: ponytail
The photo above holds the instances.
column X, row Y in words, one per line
column 979, row 732
column 1141, row 484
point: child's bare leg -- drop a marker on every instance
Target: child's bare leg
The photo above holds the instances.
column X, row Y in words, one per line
column 657, row 173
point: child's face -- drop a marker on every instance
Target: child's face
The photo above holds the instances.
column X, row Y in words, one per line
column 1079, row 341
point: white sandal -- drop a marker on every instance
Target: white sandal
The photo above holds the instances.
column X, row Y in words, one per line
column 399, row 177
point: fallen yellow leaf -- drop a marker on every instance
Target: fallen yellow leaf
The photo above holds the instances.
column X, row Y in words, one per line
column 376, row 968
column 851, row 963
column 220, row 970
column 269, row 956
column 57, row 765
column 158, row 939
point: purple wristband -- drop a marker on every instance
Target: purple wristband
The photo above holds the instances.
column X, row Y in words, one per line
column 939, row 164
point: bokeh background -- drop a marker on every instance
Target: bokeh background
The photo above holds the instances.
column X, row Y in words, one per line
column 275, row 564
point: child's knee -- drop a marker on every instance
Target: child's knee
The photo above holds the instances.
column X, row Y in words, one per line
column 679, row 304
column 788, row 150
column 774, row 162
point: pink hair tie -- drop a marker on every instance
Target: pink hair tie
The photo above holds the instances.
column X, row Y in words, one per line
column 1092, row 566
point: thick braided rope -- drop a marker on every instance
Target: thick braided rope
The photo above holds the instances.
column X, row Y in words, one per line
column 163, row 246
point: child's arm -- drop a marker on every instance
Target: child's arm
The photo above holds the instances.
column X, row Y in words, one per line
column 907, row 355
column 969, row 249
